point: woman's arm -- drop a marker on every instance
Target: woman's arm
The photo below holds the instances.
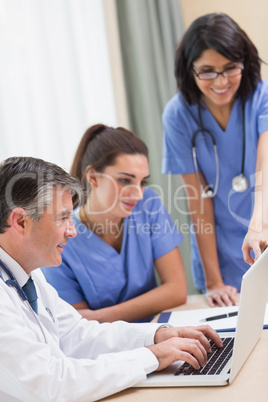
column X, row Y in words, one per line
column 202, row 215
column 256, row 238
column 171, row 293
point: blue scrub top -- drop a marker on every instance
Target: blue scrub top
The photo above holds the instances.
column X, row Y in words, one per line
column 94, row 271
column 232, row 210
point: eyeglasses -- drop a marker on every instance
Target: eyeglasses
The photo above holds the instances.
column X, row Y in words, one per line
column 212, row 75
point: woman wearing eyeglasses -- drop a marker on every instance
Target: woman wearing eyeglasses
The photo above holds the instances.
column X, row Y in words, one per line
column 215, row 137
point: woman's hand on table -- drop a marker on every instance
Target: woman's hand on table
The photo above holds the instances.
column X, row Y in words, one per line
column 223, row 295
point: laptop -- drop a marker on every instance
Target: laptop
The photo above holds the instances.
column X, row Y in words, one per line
column 253, row 299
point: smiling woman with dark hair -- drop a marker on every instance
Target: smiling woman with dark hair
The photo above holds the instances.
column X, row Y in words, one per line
column 123, row 233
column 222, row 34
column 215, row 134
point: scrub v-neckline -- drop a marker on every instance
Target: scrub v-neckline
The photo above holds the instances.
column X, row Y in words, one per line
column 207, row 112
column 104, row 244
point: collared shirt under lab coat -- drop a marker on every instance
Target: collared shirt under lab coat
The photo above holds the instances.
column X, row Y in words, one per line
column 79, row 360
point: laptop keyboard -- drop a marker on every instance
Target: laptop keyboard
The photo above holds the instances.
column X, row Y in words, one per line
column 217, row 360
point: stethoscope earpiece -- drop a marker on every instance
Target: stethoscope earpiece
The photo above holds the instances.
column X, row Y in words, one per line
column 207, row 194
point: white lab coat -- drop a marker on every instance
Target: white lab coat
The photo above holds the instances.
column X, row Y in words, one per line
column 79, row 361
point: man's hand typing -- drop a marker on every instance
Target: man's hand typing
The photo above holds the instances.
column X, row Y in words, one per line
column 184, row 343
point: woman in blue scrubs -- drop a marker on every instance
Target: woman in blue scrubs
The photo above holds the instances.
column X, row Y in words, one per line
column 215, row 137
column 123, row 232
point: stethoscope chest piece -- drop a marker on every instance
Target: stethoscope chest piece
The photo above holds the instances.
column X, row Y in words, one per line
column 240, row 183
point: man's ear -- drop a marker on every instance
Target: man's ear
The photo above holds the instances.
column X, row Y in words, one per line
column 18, row 219
column 92, row 176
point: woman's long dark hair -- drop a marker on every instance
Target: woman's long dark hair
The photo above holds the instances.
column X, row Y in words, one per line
column 222, row 34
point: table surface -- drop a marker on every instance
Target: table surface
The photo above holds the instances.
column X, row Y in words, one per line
column 250, row 385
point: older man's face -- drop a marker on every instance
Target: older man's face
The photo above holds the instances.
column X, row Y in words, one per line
column 47, row 237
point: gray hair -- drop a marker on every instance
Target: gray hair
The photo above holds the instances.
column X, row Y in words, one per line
column 30, row 183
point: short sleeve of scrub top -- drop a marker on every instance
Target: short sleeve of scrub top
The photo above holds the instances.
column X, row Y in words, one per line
column 94, row 271
column 232, row 211
column 179, row 122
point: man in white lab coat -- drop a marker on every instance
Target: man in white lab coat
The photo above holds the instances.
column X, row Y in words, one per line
column 48, row 351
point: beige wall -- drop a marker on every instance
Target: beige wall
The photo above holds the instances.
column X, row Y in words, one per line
column 251, row 15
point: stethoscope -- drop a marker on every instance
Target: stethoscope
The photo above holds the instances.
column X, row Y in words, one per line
column 239, row 182
column 12, row 282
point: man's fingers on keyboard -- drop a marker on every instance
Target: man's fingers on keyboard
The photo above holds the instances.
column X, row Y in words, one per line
column 187, row 357
column 210, row 333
